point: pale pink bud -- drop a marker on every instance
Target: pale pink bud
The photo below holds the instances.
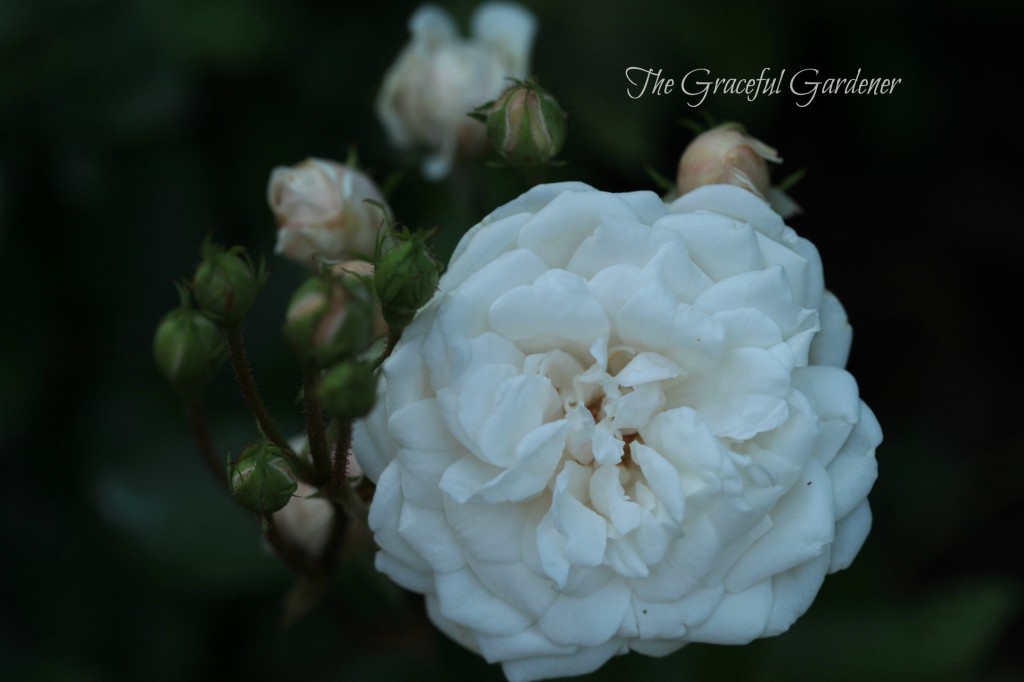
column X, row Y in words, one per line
column 322, row 208
column 363, row 269
column 726, row 155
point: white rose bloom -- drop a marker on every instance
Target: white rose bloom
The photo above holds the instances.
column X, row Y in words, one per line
column 620, row 426
column 440, row 78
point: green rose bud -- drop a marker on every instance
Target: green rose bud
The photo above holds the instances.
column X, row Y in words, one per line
column 330, row 318
column 348, row 390
column 261, row 479
column 526, row 126
column 226, row 283
column 405, row 278
column 188, row 350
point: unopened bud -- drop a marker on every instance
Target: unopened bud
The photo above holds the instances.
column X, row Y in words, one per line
column 348, row 390
column 329, row 318
column 361, row 272
column 526, row 126
column 726, row 155
column 226, row 283
column 188, row 350
column 324, row 208
column 405, row 279
column 261, row 479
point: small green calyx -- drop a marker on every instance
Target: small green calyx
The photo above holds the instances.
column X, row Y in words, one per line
column 330, row 317
column 261, row 479
column 405, row 278
column 525, row 125
column 348, row 390
column 226, row 283
column 188, row 350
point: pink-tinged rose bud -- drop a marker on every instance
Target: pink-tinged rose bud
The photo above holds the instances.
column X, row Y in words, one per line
column 330, row 318
column 726, row 155
column 440, row 78
column 324, row 208
column 526, row 126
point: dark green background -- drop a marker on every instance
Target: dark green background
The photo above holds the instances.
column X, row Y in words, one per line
column 129, row 129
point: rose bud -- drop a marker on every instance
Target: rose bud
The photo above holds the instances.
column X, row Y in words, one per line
column 226, row 283
column 363, row 270
column 405, row 279
column 526, row 126
column 329, row 318
column 324, row 208
column 726, row 155
column 188, row 349
column 439, row 78
column 348, row 389
column 261, row 479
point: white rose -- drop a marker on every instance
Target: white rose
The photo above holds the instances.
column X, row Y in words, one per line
column 620, row 426
column 440, row 78
column 321, row 208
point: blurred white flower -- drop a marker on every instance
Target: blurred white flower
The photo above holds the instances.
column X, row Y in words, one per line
column 620, row 426
column 439, row 78
column 306, row 520
column 321, row 208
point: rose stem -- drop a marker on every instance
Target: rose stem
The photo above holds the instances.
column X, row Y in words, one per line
column 200, row 430
column 315, row 426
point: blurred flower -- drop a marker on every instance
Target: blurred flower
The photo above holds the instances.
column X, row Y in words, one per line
column 306, row 520
column 321, row 208
column 620, row 426
column 726, row 155
column 440, row 78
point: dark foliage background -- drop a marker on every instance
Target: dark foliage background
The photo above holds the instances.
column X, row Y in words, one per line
column 130, row 128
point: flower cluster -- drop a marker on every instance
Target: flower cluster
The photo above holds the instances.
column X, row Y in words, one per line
column 620, row 426
column 615, row 423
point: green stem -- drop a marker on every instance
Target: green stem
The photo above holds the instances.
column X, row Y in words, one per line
column 315, row 427
column 335, row 541
column 393, row 338
column 200, row 430
column 247, row 384
column 342, row 444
